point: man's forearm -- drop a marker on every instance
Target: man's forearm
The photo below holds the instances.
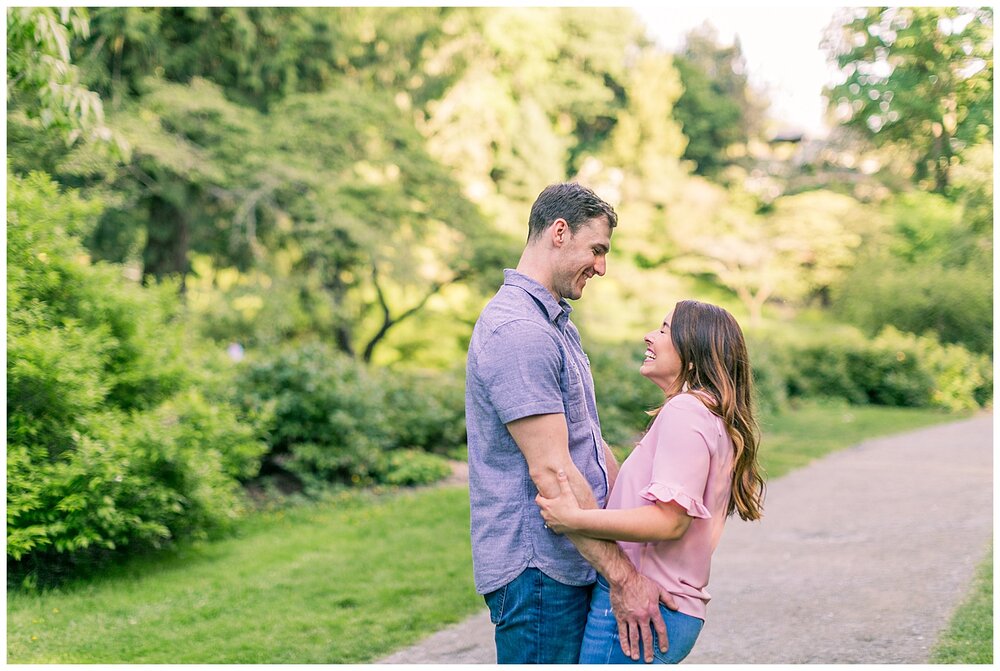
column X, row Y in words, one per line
column 605, row 556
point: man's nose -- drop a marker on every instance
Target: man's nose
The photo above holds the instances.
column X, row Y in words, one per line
column 601, row 265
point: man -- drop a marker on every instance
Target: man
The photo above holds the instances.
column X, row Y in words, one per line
column 530, row 413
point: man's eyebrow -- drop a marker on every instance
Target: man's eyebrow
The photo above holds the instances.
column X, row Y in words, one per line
column 602, row 247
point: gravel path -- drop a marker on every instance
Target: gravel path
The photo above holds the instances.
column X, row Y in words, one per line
column 861, row 557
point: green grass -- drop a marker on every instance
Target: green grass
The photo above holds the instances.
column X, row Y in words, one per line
column 313, row 584
column 792, row 439
column 969, row 637
column 342, row 581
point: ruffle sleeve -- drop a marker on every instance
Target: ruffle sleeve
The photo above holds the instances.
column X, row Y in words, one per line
column 659, row 492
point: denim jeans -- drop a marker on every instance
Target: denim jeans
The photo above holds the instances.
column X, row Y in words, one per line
column 538, row 620
column 601, row 644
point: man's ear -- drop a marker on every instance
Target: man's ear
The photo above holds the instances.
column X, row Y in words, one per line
column 560, row 232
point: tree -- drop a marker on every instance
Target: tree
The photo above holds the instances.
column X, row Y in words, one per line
column 718, row 109
column 42, row 82
column 374, row 225
column 918, row 77
column 793, row 250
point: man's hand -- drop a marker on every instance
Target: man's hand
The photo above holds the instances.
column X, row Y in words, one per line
column 635, row 603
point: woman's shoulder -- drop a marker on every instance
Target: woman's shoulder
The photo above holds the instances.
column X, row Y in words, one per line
column 696, row 401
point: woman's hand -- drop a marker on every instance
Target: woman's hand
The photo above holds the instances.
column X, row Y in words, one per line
column 562, row 513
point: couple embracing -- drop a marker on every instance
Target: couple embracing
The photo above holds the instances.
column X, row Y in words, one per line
column 578, row 559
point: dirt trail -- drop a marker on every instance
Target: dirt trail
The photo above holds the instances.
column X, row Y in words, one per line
column 861, row 558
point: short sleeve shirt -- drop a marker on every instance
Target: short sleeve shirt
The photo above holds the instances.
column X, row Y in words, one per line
column 525, row 358
column 686, row 457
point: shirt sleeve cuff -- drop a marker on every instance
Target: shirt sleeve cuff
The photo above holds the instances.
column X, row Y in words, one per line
column 508, row 415
column 665, row 493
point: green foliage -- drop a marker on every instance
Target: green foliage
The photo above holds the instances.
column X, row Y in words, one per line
column 110, row 445
column 963, row 380
column 930, row 272
column 771, row 367
column 426, row 410
column 953, row 303
column 41, row 81
column 718, row 109
column 413, row 467
column 794, row 249
column 325, row 411
column 916, row 77
column 623, row 395
column 894, row 368
column 331, row 419
column 861, row 374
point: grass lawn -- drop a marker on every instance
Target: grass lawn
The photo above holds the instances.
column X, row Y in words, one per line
column 315, row 584
column 343, row 581
column 795, row 438
column 969, row 638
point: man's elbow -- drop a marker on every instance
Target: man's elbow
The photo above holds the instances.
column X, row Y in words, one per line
column 546, row 477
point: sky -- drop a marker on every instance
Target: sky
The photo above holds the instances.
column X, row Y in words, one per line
column 780, row 44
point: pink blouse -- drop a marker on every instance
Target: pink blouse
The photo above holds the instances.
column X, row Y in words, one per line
column 686, row 457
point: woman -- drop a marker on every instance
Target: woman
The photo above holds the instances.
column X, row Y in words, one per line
column 695, row 466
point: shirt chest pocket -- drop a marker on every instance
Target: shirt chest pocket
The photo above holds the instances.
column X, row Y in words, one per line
column 575, row 399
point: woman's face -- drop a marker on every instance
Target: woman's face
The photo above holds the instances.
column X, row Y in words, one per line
column 662, row 364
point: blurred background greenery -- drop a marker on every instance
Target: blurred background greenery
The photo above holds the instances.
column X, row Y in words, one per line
column 246, row 246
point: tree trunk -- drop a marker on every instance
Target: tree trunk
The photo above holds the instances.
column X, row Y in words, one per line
column 167, row 238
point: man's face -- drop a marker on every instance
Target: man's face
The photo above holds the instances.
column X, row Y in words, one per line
column 581, row 257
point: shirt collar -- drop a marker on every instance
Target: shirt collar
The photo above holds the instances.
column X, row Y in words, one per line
column 557, row 311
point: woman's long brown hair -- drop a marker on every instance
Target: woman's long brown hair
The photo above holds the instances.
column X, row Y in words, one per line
column 714, row 359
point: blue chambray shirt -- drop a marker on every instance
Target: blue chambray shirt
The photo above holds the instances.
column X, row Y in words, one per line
column 525, row 358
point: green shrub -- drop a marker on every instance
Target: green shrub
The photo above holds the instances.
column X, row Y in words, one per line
column 412, row 467
column 770, row 368
column 110, row 444
column 426, row 410
column 931, row 270
column 962, row 380
column 623, row 394
column 326, row 413
column 894, row 369
column 333, row 420
column 954, row 303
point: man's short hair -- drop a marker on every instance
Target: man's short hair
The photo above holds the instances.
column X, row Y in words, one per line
column 570, row 201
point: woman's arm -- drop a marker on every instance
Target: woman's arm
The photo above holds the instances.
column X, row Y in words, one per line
column 657, row 522
column 612, row 465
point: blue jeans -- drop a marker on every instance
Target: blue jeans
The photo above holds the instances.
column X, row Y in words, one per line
column 601, row 644
column 538, row 620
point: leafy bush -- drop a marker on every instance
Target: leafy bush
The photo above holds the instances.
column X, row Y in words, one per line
column 331, row 419
column 623, row 394
column 931, row 271
column 894, row 368
column 426, row 411
column 770, row 367
column 326, row 413
column 956, row 304
column 963, row 380
column 110, row 444
column 413, row 467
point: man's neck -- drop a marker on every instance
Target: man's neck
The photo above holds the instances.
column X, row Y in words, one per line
column 533, row 265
